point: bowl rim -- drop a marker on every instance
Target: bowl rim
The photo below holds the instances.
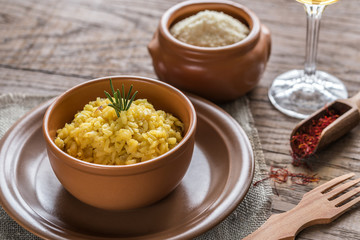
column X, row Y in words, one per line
column 102, row 169
column 248, row 42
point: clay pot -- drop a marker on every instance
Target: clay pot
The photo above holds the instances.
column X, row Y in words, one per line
column 216, row 73
column 120, row 187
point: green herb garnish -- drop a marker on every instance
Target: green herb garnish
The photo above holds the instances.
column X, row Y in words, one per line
column 120, row 101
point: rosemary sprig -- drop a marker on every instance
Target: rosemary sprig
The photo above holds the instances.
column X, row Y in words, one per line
column 120, row 102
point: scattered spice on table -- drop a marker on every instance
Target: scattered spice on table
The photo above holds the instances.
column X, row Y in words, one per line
column 281, row 175
column 305, row 141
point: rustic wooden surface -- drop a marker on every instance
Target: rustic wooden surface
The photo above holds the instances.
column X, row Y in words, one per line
column 47, row 46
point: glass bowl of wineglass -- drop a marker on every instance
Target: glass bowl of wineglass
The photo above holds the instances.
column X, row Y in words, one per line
column 298, row 93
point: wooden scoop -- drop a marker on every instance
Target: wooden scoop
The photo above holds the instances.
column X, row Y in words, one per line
column 349, row 110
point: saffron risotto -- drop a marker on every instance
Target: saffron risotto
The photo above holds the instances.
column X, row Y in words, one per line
column 98, row 136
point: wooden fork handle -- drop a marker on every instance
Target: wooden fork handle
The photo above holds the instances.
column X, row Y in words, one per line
column 285, row 225
column 273, row 229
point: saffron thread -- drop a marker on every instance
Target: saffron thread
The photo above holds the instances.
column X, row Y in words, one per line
column 282, row 175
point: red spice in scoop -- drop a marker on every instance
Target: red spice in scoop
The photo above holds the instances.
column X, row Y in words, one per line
column 305, row 141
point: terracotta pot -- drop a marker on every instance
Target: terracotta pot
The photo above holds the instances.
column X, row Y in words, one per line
column 119, row 187
column 216, row 73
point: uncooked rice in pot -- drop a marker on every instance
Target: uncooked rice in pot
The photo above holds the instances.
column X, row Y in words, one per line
column 141, row 133
column 210, row 29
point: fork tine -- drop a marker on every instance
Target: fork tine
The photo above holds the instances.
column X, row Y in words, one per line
column 336, row 191
column 332, row 183
column 347, row 196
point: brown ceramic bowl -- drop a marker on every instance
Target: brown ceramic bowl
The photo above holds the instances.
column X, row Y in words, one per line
column 216, row 73
column 123, row 186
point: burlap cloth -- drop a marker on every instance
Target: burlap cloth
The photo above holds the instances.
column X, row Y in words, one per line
column 247, row 217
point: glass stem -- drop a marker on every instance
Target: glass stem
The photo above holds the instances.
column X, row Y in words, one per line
column 313, row 15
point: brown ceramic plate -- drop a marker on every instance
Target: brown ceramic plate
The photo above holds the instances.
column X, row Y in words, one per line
column 218, row 179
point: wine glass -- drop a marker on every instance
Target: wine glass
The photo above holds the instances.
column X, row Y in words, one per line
column 298, row 93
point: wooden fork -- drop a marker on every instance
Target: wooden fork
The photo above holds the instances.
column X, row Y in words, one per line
column 319, row 206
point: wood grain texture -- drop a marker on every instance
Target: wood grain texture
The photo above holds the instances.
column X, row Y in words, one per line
column 313, row 209
column 47, row 46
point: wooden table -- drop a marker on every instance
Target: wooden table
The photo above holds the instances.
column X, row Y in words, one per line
column 47, row 46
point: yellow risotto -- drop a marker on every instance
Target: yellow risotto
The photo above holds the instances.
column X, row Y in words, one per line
column 141, row 133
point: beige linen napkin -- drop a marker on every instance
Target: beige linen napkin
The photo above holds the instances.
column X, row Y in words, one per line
column 247, row 217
